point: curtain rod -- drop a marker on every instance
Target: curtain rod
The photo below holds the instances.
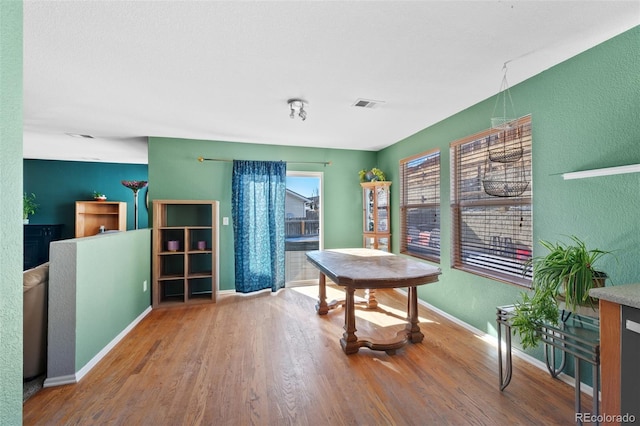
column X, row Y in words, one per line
column 325, row 163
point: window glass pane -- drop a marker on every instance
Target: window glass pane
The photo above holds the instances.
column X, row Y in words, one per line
column 496, row 238
column 491, row 203
column 420, row 205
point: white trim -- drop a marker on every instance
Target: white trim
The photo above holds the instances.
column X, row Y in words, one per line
column 69, row 379
column 494, row 341
column 608, row 171
column 75, row 378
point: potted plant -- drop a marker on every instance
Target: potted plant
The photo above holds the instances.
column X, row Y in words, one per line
column 99, row 196
column 29, row 206
column 372, row 175
column 564, row 275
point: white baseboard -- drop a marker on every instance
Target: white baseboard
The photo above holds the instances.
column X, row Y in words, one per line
column 50, row 382
column 494, row 341
column 75, row 378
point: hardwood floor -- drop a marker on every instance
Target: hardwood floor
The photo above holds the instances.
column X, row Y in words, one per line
column 270, row 360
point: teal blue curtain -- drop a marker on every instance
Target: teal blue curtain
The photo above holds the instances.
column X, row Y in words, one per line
column 258, row 195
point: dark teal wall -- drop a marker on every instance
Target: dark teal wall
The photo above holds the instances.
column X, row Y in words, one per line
column 175, row 173
column 59, row 184
column 585, row 114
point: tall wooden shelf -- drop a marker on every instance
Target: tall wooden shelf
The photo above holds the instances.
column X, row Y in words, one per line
column 183, row 272
column 91, row 215
column 376, row 215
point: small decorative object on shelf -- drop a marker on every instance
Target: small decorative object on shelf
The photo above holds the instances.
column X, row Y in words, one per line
column 135, row 186
column 99, row 196
column 173, row 245
column 373, row 175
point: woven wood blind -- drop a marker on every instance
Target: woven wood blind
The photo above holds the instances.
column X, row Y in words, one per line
column 491, row 200
column 420, row 205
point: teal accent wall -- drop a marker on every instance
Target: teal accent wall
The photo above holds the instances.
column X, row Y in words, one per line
column 585, row 114
column 11, row 212
column 59, row 184
column 175, row 173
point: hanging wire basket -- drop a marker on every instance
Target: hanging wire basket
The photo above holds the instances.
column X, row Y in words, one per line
column 506, row 147
column 504, row 179
column 505, row 155
column 504, row 188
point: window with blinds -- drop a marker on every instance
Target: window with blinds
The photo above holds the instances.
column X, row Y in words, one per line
column 420, row 205
column 491, row 203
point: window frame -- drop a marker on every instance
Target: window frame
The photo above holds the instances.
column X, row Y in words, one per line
column 522, row 203
column 432, row 250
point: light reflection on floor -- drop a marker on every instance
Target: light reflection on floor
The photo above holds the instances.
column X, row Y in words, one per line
column 384, row 316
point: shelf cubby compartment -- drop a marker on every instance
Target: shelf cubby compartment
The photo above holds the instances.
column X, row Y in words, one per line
column 171, row 291
column 171, row 265
column 198, row 235
column 174, row 235
column 200, row 289
column 186, row 214
column 200, row 264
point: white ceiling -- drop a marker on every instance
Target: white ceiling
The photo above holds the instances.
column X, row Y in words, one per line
column 125, row 70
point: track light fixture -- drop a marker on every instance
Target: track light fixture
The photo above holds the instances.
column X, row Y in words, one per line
column 296, row 106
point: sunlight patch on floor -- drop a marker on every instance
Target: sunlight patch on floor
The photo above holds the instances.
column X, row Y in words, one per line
column 384, row 316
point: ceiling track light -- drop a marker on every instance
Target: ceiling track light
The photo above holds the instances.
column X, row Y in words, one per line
column 296, row 107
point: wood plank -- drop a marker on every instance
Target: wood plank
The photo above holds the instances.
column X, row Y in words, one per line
column 270, row 359
column 610, row 350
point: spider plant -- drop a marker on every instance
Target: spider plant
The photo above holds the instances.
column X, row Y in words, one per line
column 565, row 272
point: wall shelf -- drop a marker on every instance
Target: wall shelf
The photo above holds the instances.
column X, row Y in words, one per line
column 608, row 171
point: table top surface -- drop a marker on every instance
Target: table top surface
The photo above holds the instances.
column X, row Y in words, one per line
column 368, row 268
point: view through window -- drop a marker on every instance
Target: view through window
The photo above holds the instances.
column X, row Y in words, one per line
column 302, row 226
column 491, row 201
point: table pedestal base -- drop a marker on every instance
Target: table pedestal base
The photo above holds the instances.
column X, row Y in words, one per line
column 323, row 307
column 349, row 342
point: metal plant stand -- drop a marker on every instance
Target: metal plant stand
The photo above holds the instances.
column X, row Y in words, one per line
column 575, row 335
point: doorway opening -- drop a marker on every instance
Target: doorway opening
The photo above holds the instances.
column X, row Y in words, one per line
column 303, row 226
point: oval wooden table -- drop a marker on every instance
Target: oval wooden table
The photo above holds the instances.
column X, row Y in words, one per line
column 360, row 268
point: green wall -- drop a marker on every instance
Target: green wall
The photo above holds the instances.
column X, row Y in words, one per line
column 11, row 212
column 96, row 292
column 175, row 173
column 109, row 302
column 584, row 115
column 59, row 184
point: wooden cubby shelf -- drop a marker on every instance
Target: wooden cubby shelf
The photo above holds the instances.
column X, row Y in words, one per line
column 185, row 252
column 91, row 215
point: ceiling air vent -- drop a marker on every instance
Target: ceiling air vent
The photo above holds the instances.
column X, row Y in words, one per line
column 367, row 103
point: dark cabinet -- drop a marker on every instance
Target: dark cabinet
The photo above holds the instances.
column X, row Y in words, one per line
column 630, row 379
column 36, row 243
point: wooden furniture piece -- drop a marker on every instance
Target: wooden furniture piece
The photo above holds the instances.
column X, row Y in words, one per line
column 92, row 215
column 36, row 243
column 376, row 215
column 576, row 335
column 184, row 252
column 371, row 269
column 620, row 344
